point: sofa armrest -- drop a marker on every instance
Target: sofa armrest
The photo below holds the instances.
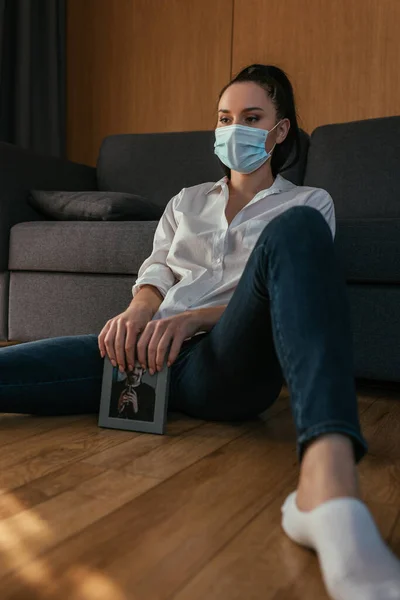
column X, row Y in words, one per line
column 22, row 171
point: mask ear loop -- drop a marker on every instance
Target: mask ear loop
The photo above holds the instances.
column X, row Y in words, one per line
column 276, row 125
column 273, row 147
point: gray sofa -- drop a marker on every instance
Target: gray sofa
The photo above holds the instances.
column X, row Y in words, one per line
column 62, row 278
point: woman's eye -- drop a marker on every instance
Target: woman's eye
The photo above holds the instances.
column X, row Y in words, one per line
column 223, row 119
column 252, row 119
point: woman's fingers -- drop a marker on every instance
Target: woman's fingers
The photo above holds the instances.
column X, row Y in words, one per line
column 100, row 339
column 119, row 337
column 163, row 346
column 130, row 346
column 175, row 347
column 141, row 346
column 119, row 343
column 160, row 339
column 152, row 347
column 109, row 344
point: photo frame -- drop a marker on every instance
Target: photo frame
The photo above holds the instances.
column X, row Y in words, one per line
column 134, row 400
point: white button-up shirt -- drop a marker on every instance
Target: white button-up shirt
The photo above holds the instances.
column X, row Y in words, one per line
column 197, row 258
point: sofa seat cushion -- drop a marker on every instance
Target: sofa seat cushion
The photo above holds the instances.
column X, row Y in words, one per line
column 81, row 246
column 369, row 249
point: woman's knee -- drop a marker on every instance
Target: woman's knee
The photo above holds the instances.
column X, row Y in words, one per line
column 298, row 224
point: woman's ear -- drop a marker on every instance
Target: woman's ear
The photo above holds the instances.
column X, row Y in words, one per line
column 282, row 130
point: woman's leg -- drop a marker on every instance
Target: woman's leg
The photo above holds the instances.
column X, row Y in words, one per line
column 292, row 286
column 289, row 313
column 53, row 376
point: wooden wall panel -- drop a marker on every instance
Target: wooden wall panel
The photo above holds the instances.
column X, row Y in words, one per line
column 143, row 66
column 342, row 56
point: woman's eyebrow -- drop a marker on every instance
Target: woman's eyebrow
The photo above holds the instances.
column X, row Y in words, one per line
column 224, row 110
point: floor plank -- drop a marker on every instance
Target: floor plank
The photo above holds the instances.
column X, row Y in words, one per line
column 67, row 442
column 269, row 559
column 12, row 426
column 43, row 488
column 382, row 428
column 88, row 513
column 47, row 451
column 152, row 531
column 75, row 510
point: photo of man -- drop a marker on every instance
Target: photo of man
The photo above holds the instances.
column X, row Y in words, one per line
column 131, row 398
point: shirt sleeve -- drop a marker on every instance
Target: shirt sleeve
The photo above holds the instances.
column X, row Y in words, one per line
column 154, row 270
column 323, row 202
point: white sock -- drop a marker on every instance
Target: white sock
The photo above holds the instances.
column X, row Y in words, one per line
column 355, row 562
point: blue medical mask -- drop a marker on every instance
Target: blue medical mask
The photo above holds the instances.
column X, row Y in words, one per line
column 242, row 148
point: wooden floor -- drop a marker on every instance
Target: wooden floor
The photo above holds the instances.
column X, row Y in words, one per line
column 96, row 514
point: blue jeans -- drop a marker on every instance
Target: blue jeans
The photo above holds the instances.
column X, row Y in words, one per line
column 288, row 320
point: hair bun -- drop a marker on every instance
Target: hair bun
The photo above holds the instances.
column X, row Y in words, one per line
column 254, row 68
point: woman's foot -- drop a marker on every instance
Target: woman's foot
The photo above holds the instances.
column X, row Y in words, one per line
column 355, row 562
column 327, row 515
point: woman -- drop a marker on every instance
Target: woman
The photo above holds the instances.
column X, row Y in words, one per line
column 242, row 272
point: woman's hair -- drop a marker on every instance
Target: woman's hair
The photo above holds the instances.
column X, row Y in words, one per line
column 276, row 84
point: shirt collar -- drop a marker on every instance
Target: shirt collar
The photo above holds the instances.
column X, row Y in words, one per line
column 220, row 183
column 280, row 185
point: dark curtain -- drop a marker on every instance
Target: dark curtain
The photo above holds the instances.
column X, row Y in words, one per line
column 32, row 74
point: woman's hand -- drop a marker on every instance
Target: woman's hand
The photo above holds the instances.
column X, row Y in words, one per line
column 157, row 336
column 119, row 335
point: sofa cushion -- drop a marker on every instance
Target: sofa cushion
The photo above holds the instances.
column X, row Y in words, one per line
column 158, row 165
column 358, row 164
column 93, row 206
column 369, row 249
column 81, row 246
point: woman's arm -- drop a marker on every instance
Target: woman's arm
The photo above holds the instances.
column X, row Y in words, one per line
column 149, row 296
column 208, row 317
column 154, row 270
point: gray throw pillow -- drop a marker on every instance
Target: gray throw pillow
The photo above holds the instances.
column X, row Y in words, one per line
column 93, row 206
